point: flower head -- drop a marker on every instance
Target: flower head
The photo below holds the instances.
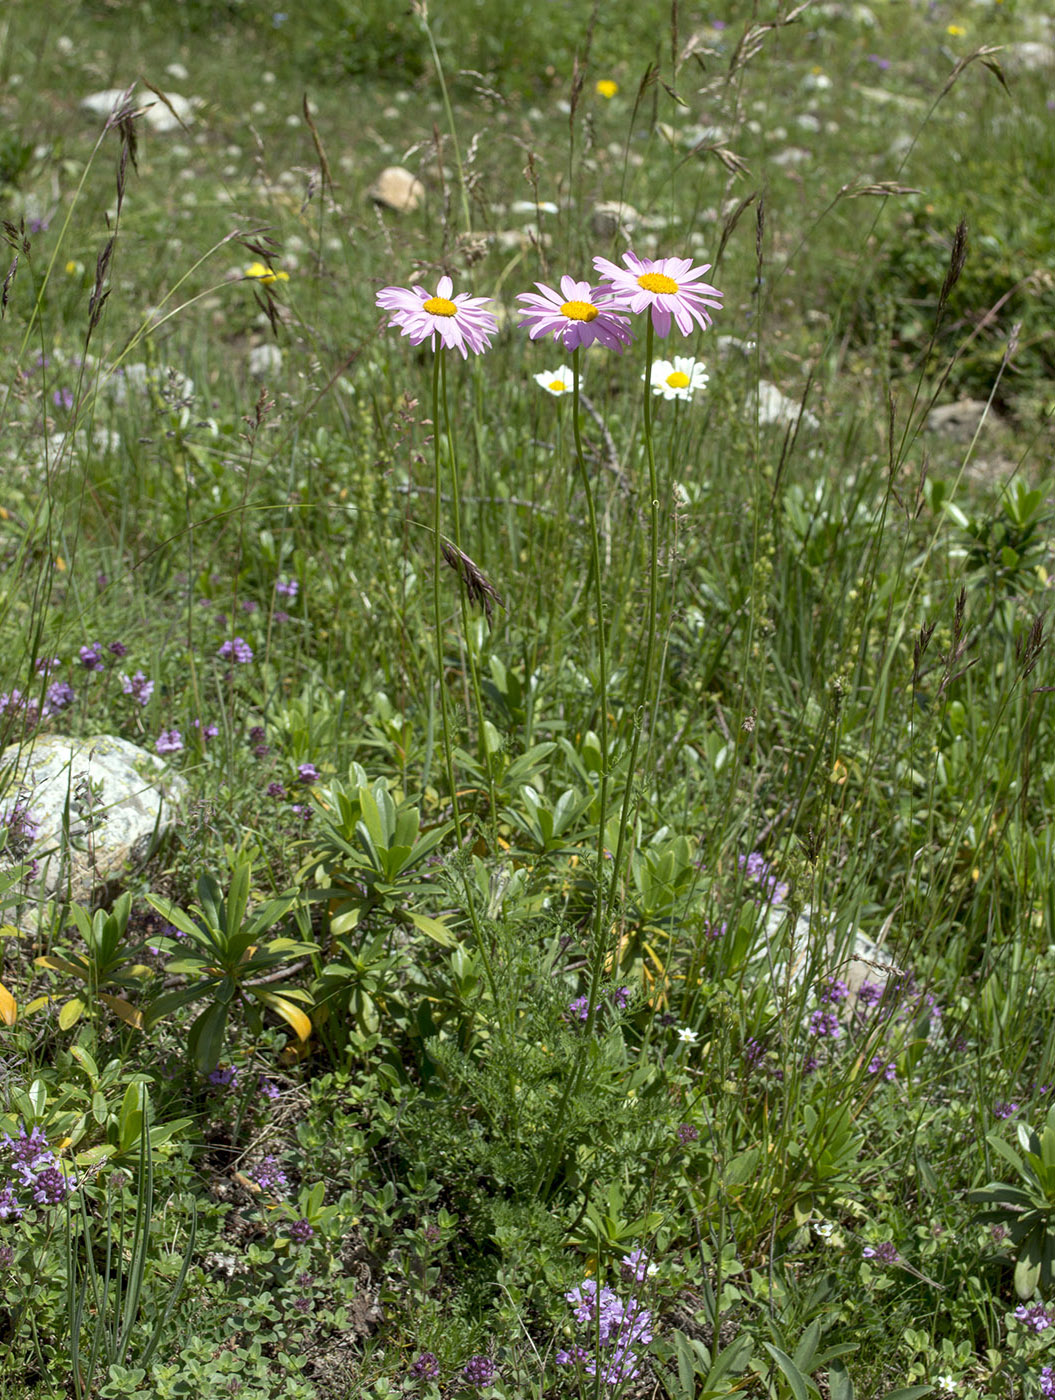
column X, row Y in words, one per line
column 479, row 1370
column 678, row 378
column 238, row 650
column 574, row 316
column 687, row 1036
column 460, row 321
column 426, row 1367
column 260, row 272
column 557, row 382
column 606, row 88
column 138, row 687
column 169, row 741
column 668, row 287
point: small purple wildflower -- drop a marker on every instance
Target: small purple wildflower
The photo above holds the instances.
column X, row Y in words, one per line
column 1035, row 1317
column 636, row 1266
column 62, row 398
column 757, row 869
column 10, row 1209
column 881, row 63
column 276, row 790
column 1004, row 1110
column 887, row 1068
column 714, row 930
column 207, row 731
column 117, row 649
column 238, row 650
column 580, row 1008
column 91, row 656
column 825, row 1023
column 834, row 990
column 257, row 734
column 169, row 741
column 575, row 1356
column 249, row 605
column 60, row 696
column 224, row 1076
column 21, row 831
column 302, row 1305
column 280, row 615
column 268, row 1088
column 753, row 1051
column 302, row 810
column 479, row 1370
column 687, row 1133
column 621, row 998
column 885, row 1252
column 138, row 687
column 288, row 588
column 51, row 1187
column 269, row 1174
column 7, row 1256
column 301, row 1231
column 425, row 1367
column 1047, row 1375
column 307, row 773
column 29, row 1152
column 46, row 664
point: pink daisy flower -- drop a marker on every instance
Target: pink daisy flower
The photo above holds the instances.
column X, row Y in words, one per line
column 460, row 322
column 573, row 316
column 670, row 286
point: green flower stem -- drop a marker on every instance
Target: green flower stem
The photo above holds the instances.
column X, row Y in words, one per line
column 599, row 949
column 467, row 630
column 439, row 374
column 650, row 632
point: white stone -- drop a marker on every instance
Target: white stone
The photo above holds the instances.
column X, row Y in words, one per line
column 1028, row 57
column 396, row 188
column 177, row 71
column 132, row 379
column 155, row 113
column 776, row 409
column 102, row 806
column 962, row 419
column 265, row 360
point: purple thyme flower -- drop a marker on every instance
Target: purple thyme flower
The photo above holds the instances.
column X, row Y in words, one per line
column 1005, row 1110
column 1047, row 1382
column 51, row 1187
column 621, row 998
column 825, row 1023
column 687, row 1133
column 479, row 1370
column 60, row 695
column 301, row 1231
column 91, row 656
column 714, row 930
column 1036, row 1317
column 887, row 1068
column 62, row 398
column 7, row 1255
column 117, row 649
column 834, row 991
column 302, row 810
column 426, row 1367
column 138, row 687
column 237, row 650
column 885, row 1252
column 46, row 664
column 268, row 1088
column 257, row 734
column 580, row 1007
column 270, row 1175
column 169, row 741
column 29, row 1152
column 224, row 1076
column 288, row 588
column 9, row 1205
column 276, row 790
column 307, row 773
column 249, row 605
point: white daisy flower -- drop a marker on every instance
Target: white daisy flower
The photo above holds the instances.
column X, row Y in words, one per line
column 556, row 381
column 678, row 378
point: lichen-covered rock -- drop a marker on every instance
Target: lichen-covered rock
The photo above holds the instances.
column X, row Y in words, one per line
column 396, row 188
column 95, row 808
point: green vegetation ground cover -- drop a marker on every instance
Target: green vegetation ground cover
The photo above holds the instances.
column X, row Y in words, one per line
column 379, row 1051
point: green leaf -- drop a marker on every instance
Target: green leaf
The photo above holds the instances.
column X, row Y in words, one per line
column 205, row 1041
column 237, row 898
column 800, row 1386
column 435, row 929
column 840, row 1386
column 910, row 1392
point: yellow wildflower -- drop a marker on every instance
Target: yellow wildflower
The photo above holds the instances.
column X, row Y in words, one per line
column 606, row 88
column 262, row 273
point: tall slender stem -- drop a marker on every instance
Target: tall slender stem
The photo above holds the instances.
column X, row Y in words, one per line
column 650, row 633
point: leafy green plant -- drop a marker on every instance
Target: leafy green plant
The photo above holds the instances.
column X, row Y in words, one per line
column 104, row 964
column 1026, row 1209
column 230, row 961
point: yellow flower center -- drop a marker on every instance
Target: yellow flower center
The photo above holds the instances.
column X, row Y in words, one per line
column 579, row 311
column 440, row 306
column 657, row 282
column 678, row 380
column 556, row 386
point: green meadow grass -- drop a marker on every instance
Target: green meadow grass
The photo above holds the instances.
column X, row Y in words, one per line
column 484, row 1072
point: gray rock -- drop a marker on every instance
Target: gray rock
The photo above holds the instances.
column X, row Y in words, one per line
column 397, row 189
column 962, row 419
column 101, row 807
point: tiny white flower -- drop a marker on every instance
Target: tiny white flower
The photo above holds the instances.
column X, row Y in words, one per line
column 556, row 381
column 947, row 1383
column 687, row 1036
column 823, row 1229
column 678, row 378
